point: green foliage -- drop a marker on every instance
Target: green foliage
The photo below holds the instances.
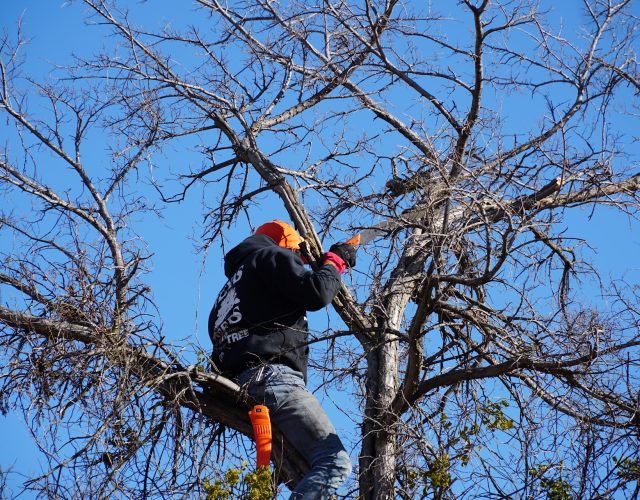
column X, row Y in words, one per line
column 438, row 473
column 494, row 418
column 254, row 485
column 628, row 468
column 491, row 418
column 555, row 487
column 259, row 484
column 411, row 478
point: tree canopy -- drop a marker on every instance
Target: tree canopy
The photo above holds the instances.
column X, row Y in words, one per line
column 484, row 352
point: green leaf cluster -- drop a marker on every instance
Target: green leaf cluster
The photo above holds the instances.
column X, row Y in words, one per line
column 438, row 473
column 555, row 487
column 256, row 485
column 628, row 468
column 494, row 418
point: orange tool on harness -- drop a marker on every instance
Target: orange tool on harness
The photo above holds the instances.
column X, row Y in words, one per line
column 261, row 424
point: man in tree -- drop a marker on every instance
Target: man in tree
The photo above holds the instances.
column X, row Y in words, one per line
column 258, row 326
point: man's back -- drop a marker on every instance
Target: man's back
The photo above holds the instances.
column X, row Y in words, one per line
column 260, row 314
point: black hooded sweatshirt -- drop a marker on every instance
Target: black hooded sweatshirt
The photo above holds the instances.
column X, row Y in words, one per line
column 260, row 313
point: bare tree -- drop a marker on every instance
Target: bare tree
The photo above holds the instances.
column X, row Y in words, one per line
column 477, row 364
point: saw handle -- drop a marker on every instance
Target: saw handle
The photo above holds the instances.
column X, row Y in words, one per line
column 355, row 240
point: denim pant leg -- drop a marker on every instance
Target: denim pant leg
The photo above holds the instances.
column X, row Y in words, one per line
column 298, row 415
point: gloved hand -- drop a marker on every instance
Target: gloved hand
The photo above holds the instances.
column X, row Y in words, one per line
column 346, row 252
column 334, row 260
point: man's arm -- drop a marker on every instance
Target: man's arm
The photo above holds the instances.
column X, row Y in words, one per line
column 312, row 290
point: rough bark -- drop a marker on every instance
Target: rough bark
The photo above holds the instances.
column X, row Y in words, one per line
column 377, row 458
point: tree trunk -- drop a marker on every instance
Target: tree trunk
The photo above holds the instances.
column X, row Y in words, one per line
column 378, row 455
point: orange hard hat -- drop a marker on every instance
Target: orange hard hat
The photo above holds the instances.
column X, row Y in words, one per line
column 282, row 233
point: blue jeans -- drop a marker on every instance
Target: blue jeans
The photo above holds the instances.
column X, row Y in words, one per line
column 298, row 415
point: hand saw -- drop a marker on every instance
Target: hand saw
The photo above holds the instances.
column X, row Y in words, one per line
column 387, row 226
column 491, row 209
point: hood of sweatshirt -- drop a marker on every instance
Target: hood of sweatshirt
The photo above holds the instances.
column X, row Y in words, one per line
column 237, row 254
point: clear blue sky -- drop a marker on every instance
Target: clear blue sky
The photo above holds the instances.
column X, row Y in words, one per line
column 183, row 284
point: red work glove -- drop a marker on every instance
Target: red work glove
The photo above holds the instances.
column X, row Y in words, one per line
column 334, row 260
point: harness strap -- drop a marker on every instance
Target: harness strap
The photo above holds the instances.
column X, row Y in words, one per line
column 260, row 385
